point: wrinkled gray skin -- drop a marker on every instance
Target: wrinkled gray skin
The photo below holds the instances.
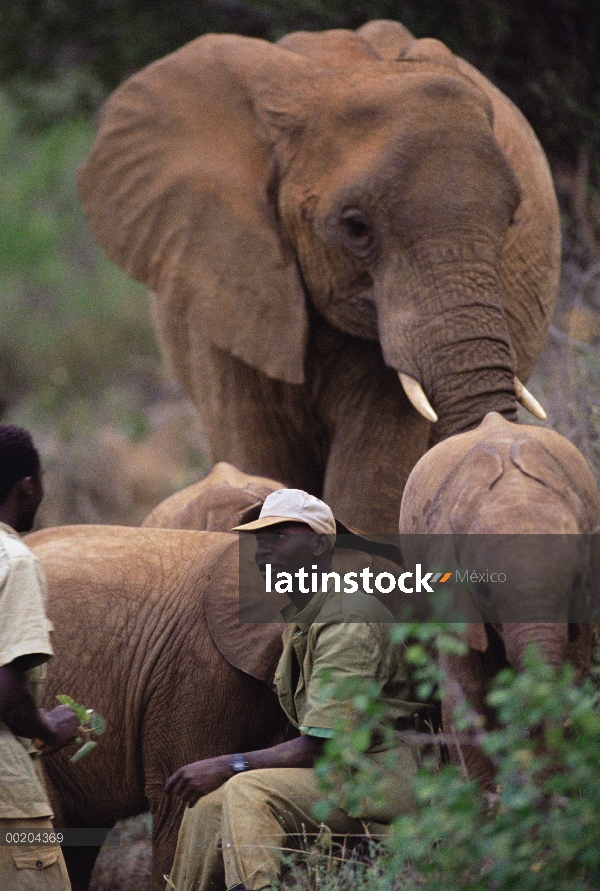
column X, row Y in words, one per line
column 509, row 478
column 314, row 217
column 132, row 641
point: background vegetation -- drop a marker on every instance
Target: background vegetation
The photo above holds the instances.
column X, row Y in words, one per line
column 543, row 53
column 78, row 360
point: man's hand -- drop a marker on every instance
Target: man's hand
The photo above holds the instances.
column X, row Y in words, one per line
column 194, row 780
column 63, row 727
column 201, row 777
column 21, row 715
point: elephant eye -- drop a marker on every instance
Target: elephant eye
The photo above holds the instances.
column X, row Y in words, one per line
column 356, row 229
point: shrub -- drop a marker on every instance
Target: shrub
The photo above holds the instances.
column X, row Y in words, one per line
column 539, row 831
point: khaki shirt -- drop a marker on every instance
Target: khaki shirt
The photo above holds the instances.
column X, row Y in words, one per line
column 24, row 630
column 342, row 635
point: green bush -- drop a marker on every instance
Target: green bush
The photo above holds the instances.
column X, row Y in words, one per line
column 72, row 321
column 539, row 832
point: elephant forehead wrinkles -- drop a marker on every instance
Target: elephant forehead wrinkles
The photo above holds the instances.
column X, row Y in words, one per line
column 419, row 99
column 353, row 107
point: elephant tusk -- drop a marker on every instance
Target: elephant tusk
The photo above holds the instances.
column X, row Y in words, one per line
column 417, row 398
column 528, row 401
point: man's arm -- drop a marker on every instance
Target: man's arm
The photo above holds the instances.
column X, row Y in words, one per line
column 22, row 716
column 201, row 777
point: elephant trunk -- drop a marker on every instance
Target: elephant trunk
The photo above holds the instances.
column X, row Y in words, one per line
column 551, row 638
column 533, row 604
column 452, row 337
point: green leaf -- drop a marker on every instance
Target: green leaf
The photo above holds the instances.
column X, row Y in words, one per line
column 83, row 751
column 79, row 710
column 321, row 810
column 97, row 723
column 87, row 716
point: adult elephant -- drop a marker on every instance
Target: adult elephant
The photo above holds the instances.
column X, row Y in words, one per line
column 147, row 632
column 316, row 217
column 523, row 502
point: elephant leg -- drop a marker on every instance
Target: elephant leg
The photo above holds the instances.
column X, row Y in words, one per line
column 79, row 860
column 466, row 684
column 80, row 864
column 212, row 709
column 260, row 425
column 348, row 435
column 375, row 435
column 366, row 476
column 469, row 758
column 166, row 820
column 583, row 637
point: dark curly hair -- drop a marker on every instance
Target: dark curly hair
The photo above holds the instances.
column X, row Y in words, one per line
column 18, row 457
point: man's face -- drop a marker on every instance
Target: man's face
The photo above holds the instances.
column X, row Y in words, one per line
column 287, row 547
column 31, row 492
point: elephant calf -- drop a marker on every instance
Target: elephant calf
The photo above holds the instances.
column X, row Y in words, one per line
column 147, row 632
column 509, row 478
column 216, row 503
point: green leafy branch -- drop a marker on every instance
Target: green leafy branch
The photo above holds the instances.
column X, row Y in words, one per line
column 90, row 724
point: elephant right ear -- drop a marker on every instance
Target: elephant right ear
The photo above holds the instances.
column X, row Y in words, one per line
column 572, row 480
column 390, row 40
column 180, row 191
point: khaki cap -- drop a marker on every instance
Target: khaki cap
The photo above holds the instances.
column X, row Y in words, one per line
column 285, row 505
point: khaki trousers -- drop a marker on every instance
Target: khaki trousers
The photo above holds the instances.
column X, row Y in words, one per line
column 32, row 867
column 235, row 835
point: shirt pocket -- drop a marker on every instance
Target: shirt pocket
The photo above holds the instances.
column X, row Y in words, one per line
column 39, row 868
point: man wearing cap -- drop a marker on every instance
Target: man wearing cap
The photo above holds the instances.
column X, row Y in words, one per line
column 241, row 807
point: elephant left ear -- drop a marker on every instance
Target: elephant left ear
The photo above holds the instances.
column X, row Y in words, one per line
column 180, row 190
column 537, row 462
column 254, row 646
